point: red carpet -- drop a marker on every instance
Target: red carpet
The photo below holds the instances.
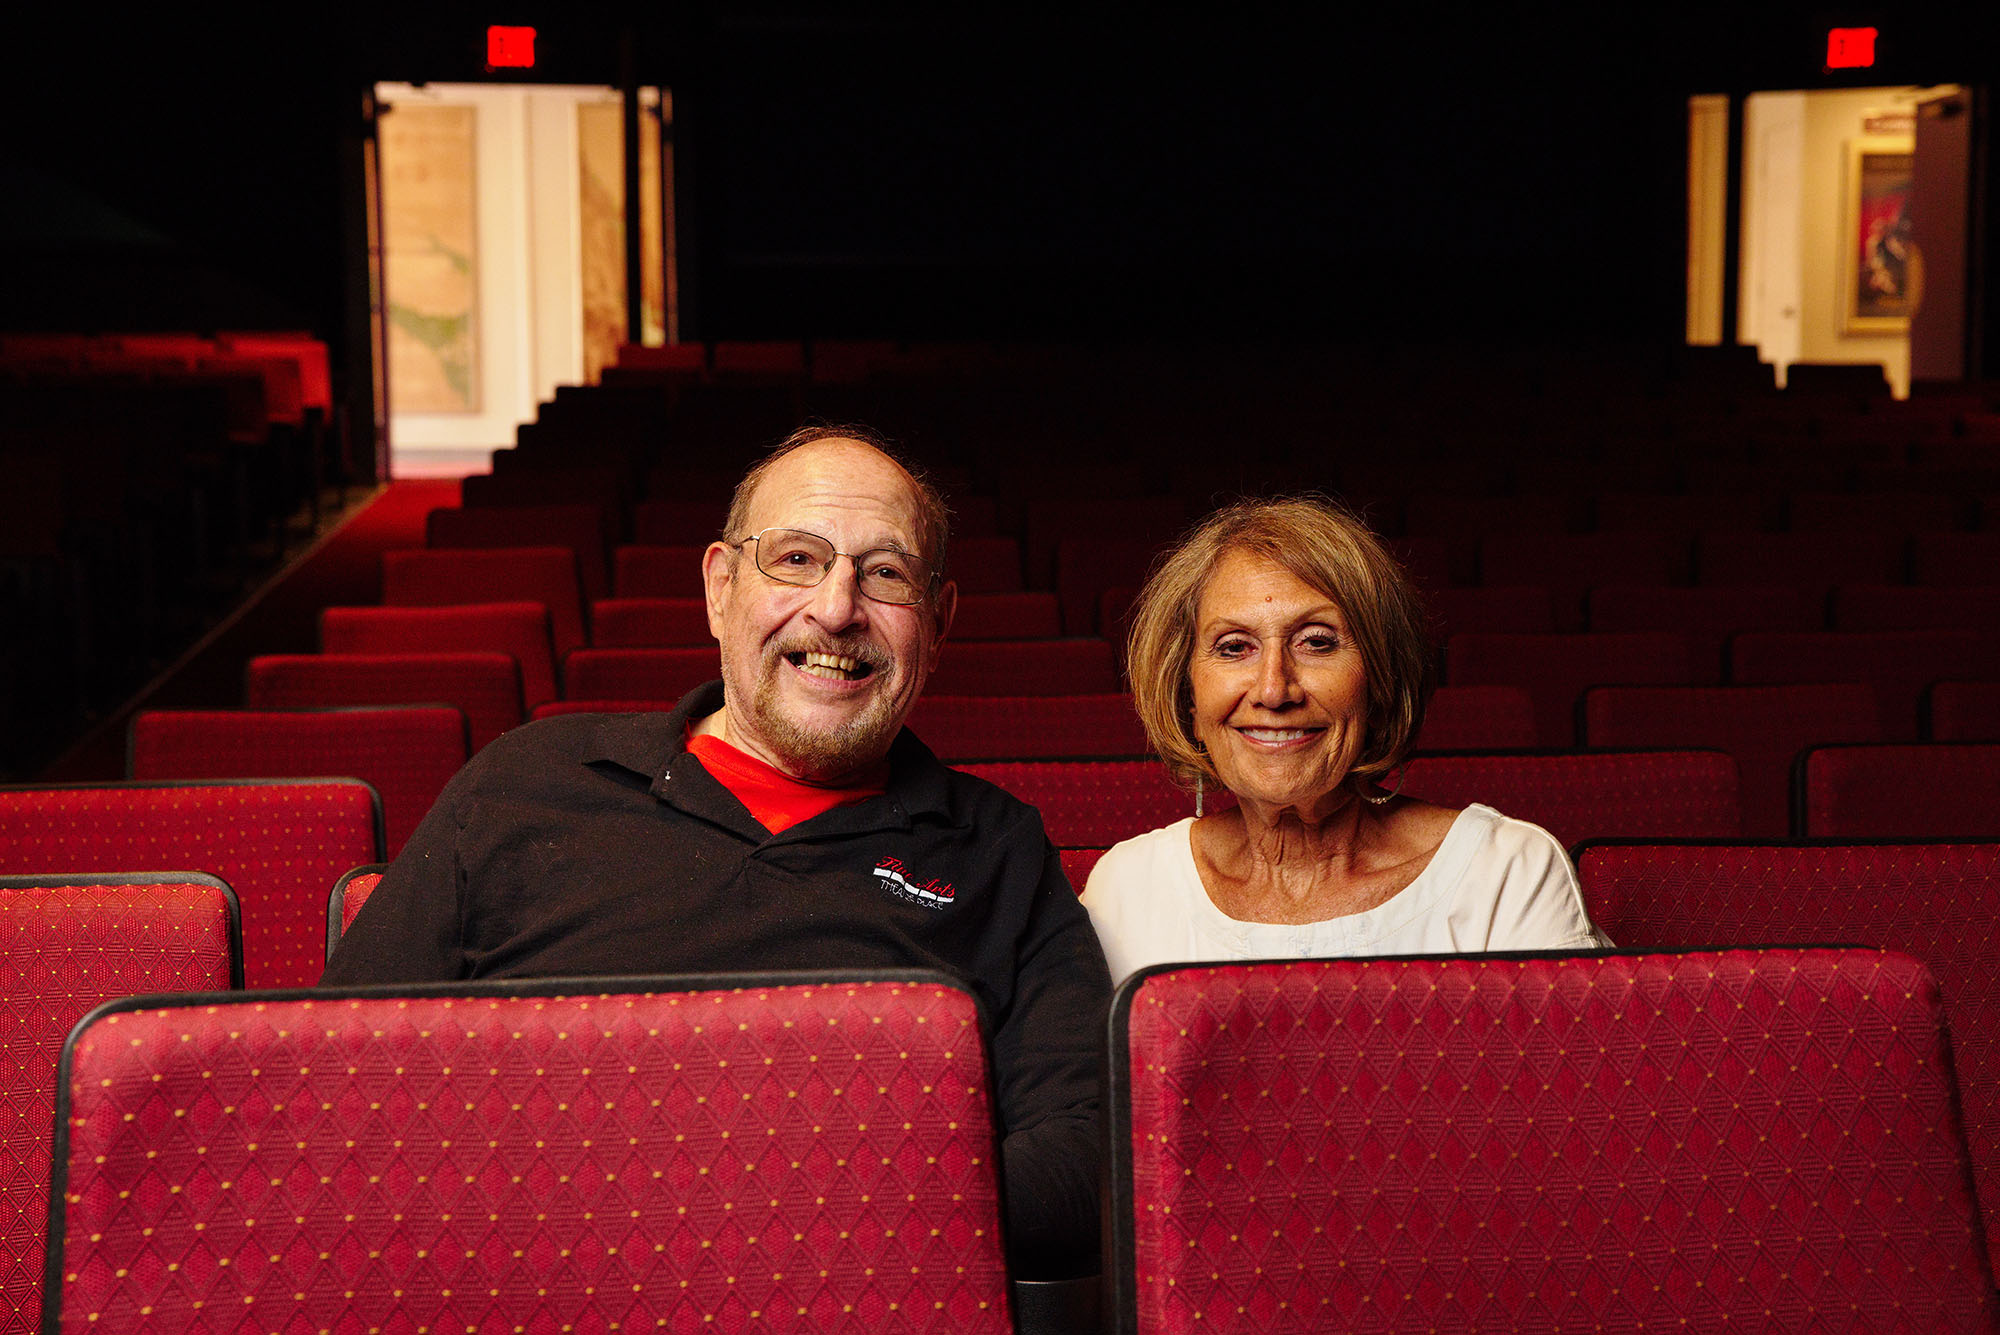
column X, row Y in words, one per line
column 344, row 569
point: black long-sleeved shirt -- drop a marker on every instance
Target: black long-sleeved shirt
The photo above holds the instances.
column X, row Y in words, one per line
column 594, row 844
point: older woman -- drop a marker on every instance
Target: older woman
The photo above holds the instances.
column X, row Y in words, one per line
column 1279, row 653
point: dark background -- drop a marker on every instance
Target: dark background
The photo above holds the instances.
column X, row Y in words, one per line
column 866, row 170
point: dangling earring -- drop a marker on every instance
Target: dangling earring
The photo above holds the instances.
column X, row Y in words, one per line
column 1197, row 796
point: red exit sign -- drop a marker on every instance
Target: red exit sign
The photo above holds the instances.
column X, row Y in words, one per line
column 1850, row 48
column 510, row 48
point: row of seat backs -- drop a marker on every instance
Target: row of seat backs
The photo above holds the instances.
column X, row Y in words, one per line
column 1935, row 790
column 790, row 1152
column 1760, row 1139
column 69, row 943
column 482, row 555
column 1474, row 1141
column 279, row 843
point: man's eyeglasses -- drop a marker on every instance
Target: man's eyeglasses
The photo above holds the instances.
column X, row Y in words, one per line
column 886, row 575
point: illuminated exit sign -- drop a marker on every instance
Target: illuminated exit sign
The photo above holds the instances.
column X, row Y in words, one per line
column 510, row 48
column 1850, row 48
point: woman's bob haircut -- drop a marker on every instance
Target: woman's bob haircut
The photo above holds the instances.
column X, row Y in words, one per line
column 1329, row 549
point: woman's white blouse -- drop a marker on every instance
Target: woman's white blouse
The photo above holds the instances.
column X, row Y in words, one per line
column 1495, row 883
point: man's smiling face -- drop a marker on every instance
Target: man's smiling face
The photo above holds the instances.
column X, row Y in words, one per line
column 817, row 680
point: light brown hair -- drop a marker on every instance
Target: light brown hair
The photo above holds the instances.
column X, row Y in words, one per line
column 1325, row 546
column 933, row 517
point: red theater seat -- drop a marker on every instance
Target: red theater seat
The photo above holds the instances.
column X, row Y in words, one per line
column 1025, row 667
column 1594, row 795
column 1007, row 616
column 1756, row 1140
column 1567, row 564
column 1523, row 610
column 1810, row 562
column 67, row 944
column 583, row 529
column 638, row 674
column 657, row 572
column 1964, row 711
column 1899, row 665
column 406, row 754
column 278, row 842
column 485, row 687
column 546, row 575
column 984, row 565
column 520, row 630
column 677, row 523
column 1938, row 902
column 649, row 623
column 350, row 892
column 1043, row 727
column 784, row 1153
column 1763, row 727
column 554, row 707
column 1095, row 803
column 1478, row 718
column 1933, row 790
column 1707, row 617
column 1087, row 567
column 1900, row 607
column 1555, row 670
column 1954, row 560
column 1876, row 511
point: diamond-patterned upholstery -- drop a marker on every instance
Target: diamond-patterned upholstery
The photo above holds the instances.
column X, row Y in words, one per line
column 1478, row 718
column 430, row 577
column 1076, row 864
column 1026, row 667
column 1047, row 727
column 350, row 892
column 1096, row 803
column 1898, row 664
column 1597, row 795
column 1555, row 670
column 1938, row 902
column 486, row 687
column 1763, row 727
column 649, row 623
column 1932, row 790
column 1741, row 1140
column 67, row 944
column 638, row 674
column 817, row 1156
column 278, row 842
column 519, row 629
column 407, row 754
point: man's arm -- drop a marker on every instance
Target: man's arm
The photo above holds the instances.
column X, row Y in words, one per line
column 1047, row 1062
column 408, row 931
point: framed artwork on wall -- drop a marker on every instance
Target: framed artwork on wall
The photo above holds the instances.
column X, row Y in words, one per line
column 1880, row 276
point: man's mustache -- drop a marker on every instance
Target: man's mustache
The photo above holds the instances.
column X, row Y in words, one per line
column 859, row 648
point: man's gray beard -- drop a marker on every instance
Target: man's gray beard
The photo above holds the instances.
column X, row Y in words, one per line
column 809, row 754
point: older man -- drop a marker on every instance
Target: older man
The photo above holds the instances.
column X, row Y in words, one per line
column 782, row 819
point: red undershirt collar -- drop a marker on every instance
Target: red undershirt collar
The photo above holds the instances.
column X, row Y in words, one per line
column 776, row 799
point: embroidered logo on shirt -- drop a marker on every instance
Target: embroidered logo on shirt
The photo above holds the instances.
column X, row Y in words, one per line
column 896, row 878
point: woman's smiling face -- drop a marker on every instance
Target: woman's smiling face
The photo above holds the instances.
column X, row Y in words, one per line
column 1280, row 691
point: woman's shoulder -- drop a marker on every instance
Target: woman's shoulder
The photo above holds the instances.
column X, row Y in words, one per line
column 1139, row 861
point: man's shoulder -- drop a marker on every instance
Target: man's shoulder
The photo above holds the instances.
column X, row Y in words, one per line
column 962, row 798
column 641, row 742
